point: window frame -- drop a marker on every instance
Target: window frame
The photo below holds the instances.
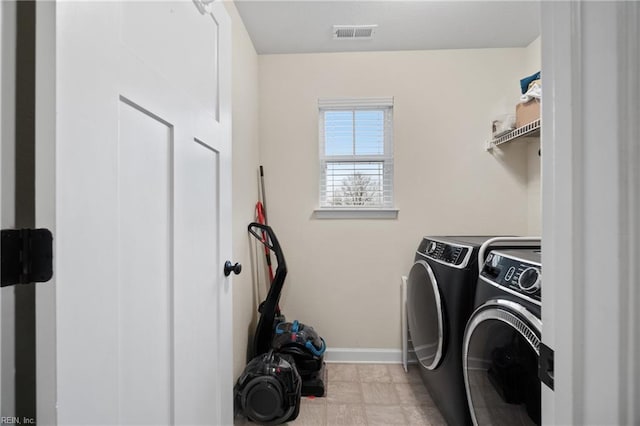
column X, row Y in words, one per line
column 387, row 211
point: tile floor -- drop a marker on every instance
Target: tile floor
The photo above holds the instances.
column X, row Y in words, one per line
column 369, row 394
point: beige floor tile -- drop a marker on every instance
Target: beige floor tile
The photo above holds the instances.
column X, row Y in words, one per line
column 342, row 373
column 413, row 394
column 380, row 393
column 380, row 415
column 414, row 374
column 397, row 373
column 434, row 415
column 415, row 415
column 368, row 394
column 378, row 373
column 423, row 415
column 346, row 414
column 312, row 413
column 313, row 400
column 344, row 393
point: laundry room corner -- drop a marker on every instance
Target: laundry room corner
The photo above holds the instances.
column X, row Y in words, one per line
column 345, row 273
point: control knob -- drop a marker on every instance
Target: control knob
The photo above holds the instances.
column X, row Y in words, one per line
column 432, row 247
column 529, row 280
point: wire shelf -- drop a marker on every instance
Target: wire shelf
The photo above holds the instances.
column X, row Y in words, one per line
column 528, row 130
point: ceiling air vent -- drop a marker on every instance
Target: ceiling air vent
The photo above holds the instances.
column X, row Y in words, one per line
column 353, row 32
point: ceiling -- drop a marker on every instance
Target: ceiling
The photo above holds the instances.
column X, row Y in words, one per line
column 305, row 26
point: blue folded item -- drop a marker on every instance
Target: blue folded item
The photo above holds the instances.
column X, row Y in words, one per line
column 524, row 83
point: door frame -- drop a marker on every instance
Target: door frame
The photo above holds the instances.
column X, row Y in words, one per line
column 591, row 210
column 46, row 397
column 8, row 48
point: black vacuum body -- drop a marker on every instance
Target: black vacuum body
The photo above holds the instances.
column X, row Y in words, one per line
column 302, row 343
column 306, row 347
column 268, row 391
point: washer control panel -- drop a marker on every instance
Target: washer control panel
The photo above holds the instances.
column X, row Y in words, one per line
column 448, row 253
column 516, row 270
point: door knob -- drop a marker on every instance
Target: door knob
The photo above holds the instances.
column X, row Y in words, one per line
column 230, row 267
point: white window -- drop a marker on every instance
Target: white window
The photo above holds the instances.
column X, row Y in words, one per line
column 356, row 154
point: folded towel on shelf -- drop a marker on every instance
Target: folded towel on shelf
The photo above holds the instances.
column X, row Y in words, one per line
column 534, row 91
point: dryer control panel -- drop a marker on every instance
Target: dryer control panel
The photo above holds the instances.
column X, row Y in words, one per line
column 517, row 271
column 448, row 253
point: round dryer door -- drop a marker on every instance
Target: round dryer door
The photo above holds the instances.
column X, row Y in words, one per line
column 426, row 320
column 500, row 362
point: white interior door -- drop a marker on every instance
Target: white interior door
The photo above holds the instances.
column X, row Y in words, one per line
column 133, row 163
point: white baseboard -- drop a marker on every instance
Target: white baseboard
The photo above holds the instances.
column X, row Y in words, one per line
column 365, row 355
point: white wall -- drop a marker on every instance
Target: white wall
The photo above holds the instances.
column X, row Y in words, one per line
column 245, row 187
column 344, row 275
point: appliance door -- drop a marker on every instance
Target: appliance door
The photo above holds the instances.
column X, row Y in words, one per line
column 500, row 363
column 426, row 318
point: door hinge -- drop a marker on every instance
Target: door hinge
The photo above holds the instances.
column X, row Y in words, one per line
column 26, row 256
column 545, row 365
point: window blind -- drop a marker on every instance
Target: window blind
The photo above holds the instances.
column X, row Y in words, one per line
column 356, row 156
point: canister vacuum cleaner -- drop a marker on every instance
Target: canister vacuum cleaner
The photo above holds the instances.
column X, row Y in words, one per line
column 288, row 357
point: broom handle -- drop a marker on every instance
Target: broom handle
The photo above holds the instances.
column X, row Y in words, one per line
column 264, row 197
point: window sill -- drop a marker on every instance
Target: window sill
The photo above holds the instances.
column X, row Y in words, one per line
column 355, row 213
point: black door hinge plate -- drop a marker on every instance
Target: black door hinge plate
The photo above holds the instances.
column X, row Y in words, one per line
column 26, row 256
column 545, row 365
